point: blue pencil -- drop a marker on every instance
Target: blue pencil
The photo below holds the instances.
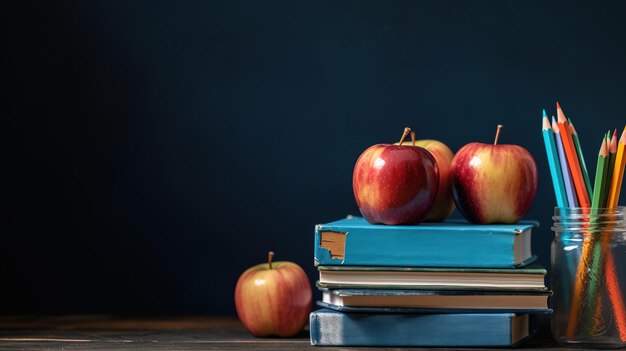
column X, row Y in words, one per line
column 553, row 162
column 567, row 197
column 567, row 176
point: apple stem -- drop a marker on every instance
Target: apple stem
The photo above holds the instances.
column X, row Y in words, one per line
column 413, row 137
column 270, row 256
column 495, row 142
column 406, row 133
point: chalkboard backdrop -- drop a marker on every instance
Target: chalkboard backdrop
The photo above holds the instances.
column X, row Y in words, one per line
column 153, row 150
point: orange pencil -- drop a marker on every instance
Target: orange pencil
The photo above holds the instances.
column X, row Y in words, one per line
column 572, row 160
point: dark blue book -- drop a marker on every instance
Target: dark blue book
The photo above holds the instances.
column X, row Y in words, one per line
column 355, row 242
column 332, row 328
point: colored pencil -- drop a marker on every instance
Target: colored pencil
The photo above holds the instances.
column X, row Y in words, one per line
column 598, row 201
column 612, row 145
column 612, row 154
column 604, row 252
column 572, row 200
column 553, row 162
column 572, row 159
column 600, row 183
column 581, row 158
column 597, row 267
column 563, row 197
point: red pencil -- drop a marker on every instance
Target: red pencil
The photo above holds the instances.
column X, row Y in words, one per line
column 572, row 160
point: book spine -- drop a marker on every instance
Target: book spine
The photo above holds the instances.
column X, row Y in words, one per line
column 331, row 328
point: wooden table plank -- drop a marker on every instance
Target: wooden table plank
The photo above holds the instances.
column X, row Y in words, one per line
column 157, row 333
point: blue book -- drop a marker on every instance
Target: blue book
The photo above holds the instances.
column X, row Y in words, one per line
column 355, row 242
column 332, row 328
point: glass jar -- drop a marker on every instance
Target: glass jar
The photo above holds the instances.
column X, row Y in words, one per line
column 589, row 277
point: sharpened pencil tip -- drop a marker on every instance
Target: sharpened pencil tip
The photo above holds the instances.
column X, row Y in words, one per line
column 555, row 126
column 545, row 115
column 545, row 123
column 613, row 143
column 560, row 115
column 558, row 106
column 571, row 128
column 603, row 149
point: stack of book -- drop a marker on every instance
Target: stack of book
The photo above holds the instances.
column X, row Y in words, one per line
column 439, row 284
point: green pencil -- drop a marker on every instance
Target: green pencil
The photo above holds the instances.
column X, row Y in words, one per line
column 598, row 201
column 581, row 158
column 612, row 152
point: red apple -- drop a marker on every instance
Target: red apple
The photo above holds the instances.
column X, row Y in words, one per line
column 395, row 184
column 493, row 183
column 273, row 298
column 444, row 203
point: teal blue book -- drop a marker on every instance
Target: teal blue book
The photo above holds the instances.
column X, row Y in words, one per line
column 355, row 242
column 332, row 328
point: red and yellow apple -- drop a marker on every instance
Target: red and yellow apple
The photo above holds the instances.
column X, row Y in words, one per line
column 444, row 203
column 493, row 183
column 395, row 184
column 273, row 298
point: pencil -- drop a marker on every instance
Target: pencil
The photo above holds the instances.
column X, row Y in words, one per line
column 572, row 201
column 572, row 159
column 598, row 200
column 612, row 145
column 581, row 158
column 553, row 162
column 612, row 151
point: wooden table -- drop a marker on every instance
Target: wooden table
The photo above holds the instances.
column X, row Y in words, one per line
column 188, row 333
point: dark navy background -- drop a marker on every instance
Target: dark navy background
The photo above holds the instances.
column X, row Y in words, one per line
column 152, row 151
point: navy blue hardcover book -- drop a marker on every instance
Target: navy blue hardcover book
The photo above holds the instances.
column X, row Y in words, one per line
column 355, row 242
column 332, row 328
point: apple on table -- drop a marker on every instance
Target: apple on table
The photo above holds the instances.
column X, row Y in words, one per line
column 395, row 184
column 493, row 183
column 273, row 298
